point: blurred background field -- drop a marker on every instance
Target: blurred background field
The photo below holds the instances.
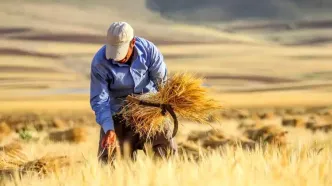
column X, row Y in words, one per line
column 47, row 46
column 267, row 61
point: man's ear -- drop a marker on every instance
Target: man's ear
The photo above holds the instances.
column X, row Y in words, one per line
column 133, row 42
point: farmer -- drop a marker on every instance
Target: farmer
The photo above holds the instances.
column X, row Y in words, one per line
column 126, row 65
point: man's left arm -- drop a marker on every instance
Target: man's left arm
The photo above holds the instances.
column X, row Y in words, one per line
column 157, row 69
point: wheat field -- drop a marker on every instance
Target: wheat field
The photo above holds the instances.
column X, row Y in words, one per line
column 272, row 78
column 205, row 157
column 301, row 166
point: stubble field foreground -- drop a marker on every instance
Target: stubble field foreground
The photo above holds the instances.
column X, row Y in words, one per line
column 248, row 147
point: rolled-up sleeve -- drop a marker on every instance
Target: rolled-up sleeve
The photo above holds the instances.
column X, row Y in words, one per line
column 100, row 99
column 157, row 69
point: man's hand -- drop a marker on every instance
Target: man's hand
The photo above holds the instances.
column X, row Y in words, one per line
column 109, row 140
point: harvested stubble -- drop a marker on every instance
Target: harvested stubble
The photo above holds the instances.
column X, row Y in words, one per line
column 196, row 136
column 296, row 111
column 58, row 123
column 289, row 121
column 239, row 114
column 76, row 135
column 11, row 147
column 15, row 161
column 23, row 121
column 296, row 121
column 246, row 124
column 16, row 118
column 11, row 161
column 5, row 130
column 190, row 150
column 243, row 114
column 325, row 112
column 267, row 134
column 213, row 139
column 233, row 142
column 184, row 92
column 10, row 158
column 45, row 165
column 324, row 127
column 45, row 121
column 265, row 115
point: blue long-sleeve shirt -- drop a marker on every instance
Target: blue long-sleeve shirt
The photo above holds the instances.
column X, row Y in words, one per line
column 111, row 81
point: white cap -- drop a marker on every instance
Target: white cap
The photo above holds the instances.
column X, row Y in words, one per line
column 119, row 36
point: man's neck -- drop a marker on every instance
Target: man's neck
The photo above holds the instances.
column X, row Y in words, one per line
column 130, row 60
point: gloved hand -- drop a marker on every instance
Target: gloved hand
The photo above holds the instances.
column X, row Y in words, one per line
column 109, row 140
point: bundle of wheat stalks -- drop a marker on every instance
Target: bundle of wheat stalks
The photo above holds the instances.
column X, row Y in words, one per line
column 13, row 160
column 184, row 92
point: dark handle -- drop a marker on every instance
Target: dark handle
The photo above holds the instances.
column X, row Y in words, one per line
column 164, row 107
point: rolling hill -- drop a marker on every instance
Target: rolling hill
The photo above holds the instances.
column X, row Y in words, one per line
column 46, row 47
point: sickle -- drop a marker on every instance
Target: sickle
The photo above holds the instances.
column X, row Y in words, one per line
column 164, row 108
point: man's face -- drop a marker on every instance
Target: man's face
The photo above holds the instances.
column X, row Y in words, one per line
column 130, row 51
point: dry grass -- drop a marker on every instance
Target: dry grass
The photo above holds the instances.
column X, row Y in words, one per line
column 264, row 115
column 13, row 158
column 191, row 150
column 16, row 161
column 267, row 134
column 210, row 157
column 183, row 92
column 45, row 165
column 5, row 130
column 13, row 146
column 76, row 135
column 324, row 128
column 196, row 136
column 59, row 123
column 301, row 165
column 246, row 124
column 290, row 121
column 214, row 139
column 45, row 120
column 314, row 123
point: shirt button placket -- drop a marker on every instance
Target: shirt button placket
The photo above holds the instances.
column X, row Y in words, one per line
column 134, row 78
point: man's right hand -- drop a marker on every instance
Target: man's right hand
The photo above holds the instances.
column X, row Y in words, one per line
column 109, row 140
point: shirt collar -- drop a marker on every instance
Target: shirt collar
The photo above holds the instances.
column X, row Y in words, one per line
column 119, row 64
